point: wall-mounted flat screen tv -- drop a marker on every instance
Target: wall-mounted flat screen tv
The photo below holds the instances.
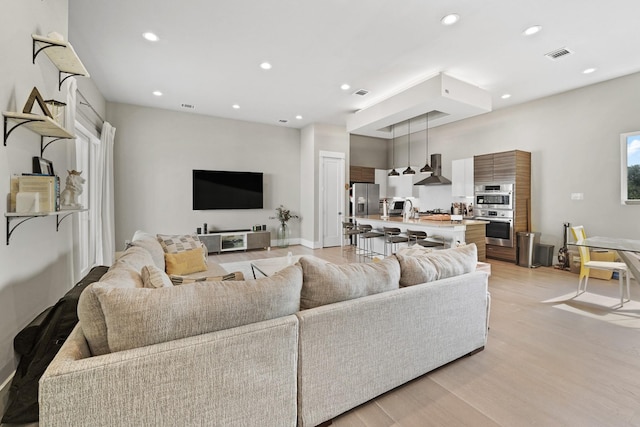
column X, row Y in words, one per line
column 226, row 190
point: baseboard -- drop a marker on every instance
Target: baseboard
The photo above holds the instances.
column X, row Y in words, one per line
column 310, row 244
column 4, row 393
column 294, row 241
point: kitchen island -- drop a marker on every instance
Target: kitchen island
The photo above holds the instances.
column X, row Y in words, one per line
column 453, row 232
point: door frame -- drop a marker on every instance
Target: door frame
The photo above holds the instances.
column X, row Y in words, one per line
column 322, row 155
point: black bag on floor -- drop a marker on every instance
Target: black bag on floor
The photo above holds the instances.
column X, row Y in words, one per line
column 37, row 344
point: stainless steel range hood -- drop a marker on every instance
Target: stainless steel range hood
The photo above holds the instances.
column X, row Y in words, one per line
column 436, row 178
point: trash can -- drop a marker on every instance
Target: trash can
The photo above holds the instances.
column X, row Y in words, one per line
column 544, row 255
column 527, row 240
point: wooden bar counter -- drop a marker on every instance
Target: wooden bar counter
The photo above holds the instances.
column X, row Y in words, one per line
column 453, row 232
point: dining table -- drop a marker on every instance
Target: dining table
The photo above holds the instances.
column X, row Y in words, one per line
column 628, row 250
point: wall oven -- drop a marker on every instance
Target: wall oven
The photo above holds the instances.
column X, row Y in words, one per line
column 494, row 196
column 499, row 228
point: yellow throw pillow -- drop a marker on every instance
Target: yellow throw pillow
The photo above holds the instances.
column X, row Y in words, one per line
column 186, row 262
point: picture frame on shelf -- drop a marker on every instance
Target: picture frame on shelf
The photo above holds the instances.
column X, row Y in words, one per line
column 42, row 166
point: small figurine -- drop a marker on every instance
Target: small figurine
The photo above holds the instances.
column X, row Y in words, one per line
column 73, row 188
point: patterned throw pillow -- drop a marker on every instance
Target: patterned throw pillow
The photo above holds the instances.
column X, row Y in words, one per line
column 173, row 244
column 153, row 277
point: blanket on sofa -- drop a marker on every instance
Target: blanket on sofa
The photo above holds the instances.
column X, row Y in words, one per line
column 37, row 344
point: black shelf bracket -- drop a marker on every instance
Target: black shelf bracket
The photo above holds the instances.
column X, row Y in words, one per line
column 47, row 45
column 61, row 80
column 44, row 146
column 59, row 220
column 11, row 230
column 7, row 131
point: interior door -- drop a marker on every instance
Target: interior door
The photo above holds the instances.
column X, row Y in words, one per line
column 332, row 198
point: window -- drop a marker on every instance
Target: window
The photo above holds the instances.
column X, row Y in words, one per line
column 630, row 167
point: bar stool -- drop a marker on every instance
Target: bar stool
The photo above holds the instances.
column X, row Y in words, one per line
column 349, row 229
column 392, row 237
column 420, row 237
column 367, row 233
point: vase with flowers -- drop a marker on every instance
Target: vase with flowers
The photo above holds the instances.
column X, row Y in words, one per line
column 283, row 215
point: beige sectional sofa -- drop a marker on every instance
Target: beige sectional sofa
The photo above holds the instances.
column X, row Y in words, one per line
column 297, row 348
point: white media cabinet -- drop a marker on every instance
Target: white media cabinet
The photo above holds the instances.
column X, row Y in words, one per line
column 235, row 240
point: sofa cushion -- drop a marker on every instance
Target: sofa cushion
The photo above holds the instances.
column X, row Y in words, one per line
column 185, row 262
column 326, row 283
column 153, row 277
column 120, row 275
column 140, row 317
column 436, row 265
column 413, row 250
column 151, row 244
column 134, row 258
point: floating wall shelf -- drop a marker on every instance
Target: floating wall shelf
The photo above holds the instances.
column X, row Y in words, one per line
column 26, row 216
column 62, row 55
column 42, row 125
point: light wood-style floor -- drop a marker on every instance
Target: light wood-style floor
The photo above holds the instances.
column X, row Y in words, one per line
column 550, row 360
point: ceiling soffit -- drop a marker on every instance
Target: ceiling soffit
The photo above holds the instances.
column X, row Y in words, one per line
column 452, row 98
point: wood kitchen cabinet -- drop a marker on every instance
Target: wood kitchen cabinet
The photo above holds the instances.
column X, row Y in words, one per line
column 499, row 167
column 362, row 174
column 483, row 169
column 508, row 167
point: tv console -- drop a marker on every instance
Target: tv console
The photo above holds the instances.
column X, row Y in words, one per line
column 235, row 240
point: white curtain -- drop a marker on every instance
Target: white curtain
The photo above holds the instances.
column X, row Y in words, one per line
column 104, row 209
column 70, row 109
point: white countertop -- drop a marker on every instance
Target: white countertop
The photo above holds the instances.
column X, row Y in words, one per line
column 424, row 221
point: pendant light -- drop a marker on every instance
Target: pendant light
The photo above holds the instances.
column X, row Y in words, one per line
column 426, row 167
column 394, row 172
column 408, row 170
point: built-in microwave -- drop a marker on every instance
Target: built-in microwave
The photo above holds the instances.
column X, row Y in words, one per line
column 494, row 196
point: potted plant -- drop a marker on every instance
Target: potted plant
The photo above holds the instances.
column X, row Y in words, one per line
column 283, row 215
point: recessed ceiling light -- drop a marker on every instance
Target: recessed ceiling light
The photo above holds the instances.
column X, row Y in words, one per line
column 299, row 117
column 450, row 19
column 532, row 30
column 345, row 86
column 589, row 71
column 265, row 66
column 235, row 106
column 157, row 93
column 150, row 36
column 506, row 96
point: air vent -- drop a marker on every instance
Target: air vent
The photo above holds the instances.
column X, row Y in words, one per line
column 283, row 120
column 189, row 106
column 558, row 53
column 361, row 92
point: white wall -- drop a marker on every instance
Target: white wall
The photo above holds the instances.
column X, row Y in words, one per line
column 368, row 151
column 315, row 138
column 36, row 268
column 156, row 151
column 574, row 143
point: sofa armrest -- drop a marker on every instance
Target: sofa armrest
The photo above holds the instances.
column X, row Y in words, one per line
column 353, row 351
column 238, row 376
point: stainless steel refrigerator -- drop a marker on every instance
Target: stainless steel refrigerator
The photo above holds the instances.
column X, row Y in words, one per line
column 366, row 199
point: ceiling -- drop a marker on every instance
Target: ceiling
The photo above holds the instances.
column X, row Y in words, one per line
column 209, row 51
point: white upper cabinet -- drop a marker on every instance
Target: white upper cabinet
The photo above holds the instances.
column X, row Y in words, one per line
column 462, row 178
